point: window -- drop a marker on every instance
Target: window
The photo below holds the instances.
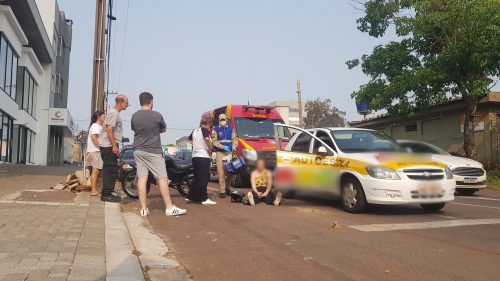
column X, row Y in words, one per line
column 60, row 46
column 59, row 84
column 302, row 143
column 27, row 91
column 6, row 124
column 325, row 138
column 8, row 67
column 23, row 145
column 53, row 84
column 3, row 61
column 411, row 128
column 13, row 92
column 352, row 141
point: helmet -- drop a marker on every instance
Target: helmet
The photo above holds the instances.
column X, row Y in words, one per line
column 236, row 197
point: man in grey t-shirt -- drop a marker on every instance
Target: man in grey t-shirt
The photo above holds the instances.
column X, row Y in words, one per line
column 147, row 126
column 110, row 138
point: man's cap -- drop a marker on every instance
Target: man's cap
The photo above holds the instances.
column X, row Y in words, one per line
column 222, row 116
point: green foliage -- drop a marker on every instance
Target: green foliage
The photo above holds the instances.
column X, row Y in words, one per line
column 447, row 48
column 321, row 113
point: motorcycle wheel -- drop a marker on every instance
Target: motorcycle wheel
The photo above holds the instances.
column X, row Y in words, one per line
column 129, row 185
column 183, row 188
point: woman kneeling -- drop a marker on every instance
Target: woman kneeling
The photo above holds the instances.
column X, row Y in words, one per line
column 262, row 182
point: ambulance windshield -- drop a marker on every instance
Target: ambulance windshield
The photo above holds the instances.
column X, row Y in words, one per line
column 255, row 128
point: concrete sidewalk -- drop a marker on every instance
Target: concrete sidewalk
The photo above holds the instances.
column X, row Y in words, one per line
column 58, row 235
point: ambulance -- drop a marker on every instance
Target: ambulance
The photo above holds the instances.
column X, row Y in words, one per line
column 254, row 126
column 360, row 166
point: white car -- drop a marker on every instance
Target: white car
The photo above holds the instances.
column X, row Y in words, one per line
column 367, row 167
column 469, row 174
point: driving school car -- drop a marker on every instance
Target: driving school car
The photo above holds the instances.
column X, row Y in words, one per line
column 362, row 167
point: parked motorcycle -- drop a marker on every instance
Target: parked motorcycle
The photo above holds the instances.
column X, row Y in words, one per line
column 180, row 174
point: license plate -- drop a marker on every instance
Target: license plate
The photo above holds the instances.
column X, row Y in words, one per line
column 470, row 180
column 429, row 189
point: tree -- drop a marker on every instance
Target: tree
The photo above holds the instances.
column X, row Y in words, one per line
column 447, row 49
column 320, row 113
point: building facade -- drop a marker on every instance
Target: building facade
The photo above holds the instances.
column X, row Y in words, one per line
column 289, row 111
column 31, row 101
column 183, row 143
column 443, row 126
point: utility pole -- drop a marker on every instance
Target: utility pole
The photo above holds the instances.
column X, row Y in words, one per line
column 99, row 54
column 299, row 96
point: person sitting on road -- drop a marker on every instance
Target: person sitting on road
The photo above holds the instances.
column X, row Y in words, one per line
column 262, row 182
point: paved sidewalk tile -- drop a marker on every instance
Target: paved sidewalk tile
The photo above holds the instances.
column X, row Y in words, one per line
column 53, row 242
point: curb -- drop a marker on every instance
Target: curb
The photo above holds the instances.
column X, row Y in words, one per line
column 121, row 263
column 152, row 251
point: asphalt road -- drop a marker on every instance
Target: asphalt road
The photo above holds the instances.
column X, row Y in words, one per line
column 314, row 239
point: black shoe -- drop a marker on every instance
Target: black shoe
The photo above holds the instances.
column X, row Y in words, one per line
column 111, row 198
column 228, row 191
column 222, row 195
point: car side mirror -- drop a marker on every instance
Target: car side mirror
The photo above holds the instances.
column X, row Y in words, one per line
column 322, row 151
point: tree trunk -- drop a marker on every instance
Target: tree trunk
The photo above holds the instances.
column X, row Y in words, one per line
column 469, row 141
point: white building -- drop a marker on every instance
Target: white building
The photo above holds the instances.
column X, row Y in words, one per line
column 183, row 143
column 34, row 66
column 289, row 111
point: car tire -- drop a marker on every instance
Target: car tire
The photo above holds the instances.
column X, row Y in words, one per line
column 466, row 191
column 434, row 207
column 129, row 185
column 353, row 196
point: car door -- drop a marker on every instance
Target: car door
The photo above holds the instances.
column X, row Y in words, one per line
column 306, row 162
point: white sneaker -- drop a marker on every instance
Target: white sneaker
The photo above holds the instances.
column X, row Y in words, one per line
column 251, row 201
column 175, row 211
column 144, row 212
column 208, row 202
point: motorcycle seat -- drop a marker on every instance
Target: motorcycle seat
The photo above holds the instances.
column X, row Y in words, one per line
column 183, row 164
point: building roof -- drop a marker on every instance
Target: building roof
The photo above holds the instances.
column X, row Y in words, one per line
column 28, row 16
column 492, row 97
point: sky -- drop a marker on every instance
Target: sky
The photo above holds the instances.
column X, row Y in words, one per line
column 195, row 55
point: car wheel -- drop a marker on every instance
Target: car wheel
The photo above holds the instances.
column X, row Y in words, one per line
column 434, row 207
column 466, row 191
column 353, row 196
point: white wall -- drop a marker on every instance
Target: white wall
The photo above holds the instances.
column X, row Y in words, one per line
column 47, row 9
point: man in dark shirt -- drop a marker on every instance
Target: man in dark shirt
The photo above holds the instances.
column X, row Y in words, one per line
column 147, row 126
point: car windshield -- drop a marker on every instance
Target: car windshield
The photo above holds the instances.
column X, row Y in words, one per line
column 365, row 141
column 183, row 155
column 127, row 154
column 420, row 147
column 254, row 128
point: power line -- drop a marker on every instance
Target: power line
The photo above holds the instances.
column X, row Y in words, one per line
column 123, row 45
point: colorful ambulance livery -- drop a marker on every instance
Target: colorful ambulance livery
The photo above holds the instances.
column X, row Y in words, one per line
column 254, row 126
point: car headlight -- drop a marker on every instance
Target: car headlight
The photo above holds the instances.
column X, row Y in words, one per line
column 250, row 154
column 380, row 172
column 449, row 173
column 126, row 166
